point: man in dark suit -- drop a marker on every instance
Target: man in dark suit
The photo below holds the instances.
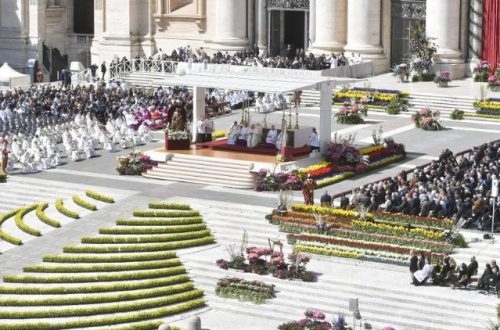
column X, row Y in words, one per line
column 413, row 263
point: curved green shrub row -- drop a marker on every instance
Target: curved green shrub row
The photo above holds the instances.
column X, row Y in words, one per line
column 8, row 215
column 165, row 214
column 135, row 230
column 108, row 309
column 98, row 299
column 146, row 325
column 109, row 320
column 168, row 206
column 159, row 222
column 86, row 205
column 5, row 236
column 65, row 258
column 22, row 225
column 99, row 197
column 96, row 288
column 133, row 275
column 145, row 239
column 9, row 238
column 89, row 268
column 139, row 247
column 40, row 213
column 63, row 210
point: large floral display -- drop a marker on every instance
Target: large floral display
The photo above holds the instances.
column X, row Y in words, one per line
column 342, row 161
column 427, row 119
column 487, row 108
column 391, row 101
column 380, row 236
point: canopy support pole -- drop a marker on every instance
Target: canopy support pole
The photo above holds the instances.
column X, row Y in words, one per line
column 325, row 115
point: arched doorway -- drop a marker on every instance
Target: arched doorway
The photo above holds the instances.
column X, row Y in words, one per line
column 406, row 15
column 288, row 24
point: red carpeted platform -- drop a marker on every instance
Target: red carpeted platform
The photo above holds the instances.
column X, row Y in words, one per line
column 261, row 149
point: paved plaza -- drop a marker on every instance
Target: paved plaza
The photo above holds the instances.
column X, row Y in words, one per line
column 384, row 291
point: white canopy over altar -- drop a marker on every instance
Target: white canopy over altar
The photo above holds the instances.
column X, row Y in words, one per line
column 255, row 79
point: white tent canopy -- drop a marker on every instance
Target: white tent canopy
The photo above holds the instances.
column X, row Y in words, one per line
column 10, row 78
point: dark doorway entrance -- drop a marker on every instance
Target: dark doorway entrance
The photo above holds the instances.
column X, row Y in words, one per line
column 83, row 16
column 406, row 16
column 287, row 27
column 294, row 29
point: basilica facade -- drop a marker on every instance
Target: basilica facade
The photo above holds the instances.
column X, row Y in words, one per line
column 93, row 31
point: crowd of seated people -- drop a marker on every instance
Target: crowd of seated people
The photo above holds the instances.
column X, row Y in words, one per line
column 293, row 59
column 459, row 189
column 448, row 272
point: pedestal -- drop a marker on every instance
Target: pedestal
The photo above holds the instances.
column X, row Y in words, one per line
column 177, row 144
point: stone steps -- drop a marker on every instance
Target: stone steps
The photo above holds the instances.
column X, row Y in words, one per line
column 204, row 170
column 294, row 297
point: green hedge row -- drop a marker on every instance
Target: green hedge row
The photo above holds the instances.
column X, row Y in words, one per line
column 168, row 206
column 108, row 320
column 107, row 309
column 135, row 230
column 165, row 214
column 145, row 239
column 89, row 268
column 97, row 288
column 99, row 197
column 5, row 236
column 40, row 213
column 86, row 205
column 99, row 299
column 22, row 225
column 139, row 247
column 159, row 222
column 133, row 275
column 146, row 325
column 63, row 210
column 66, row 258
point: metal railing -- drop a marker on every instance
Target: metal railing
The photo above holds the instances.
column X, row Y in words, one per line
column 117, row 70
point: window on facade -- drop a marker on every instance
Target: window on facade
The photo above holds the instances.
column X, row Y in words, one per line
column 83, row 16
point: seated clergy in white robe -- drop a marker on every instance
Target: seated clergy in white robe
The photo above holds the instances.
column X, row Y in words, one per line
column 268, row 104
column 254, row 136
column 232, row 133
column 244, row 133
column 272, row 136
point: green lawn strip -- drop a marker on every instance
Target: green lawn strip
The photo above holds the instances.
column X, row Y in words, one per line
column 96, row 288
column 6, row 236
column 159, row 221
column 40, row 214
column 148, row 247
column 119, row 307
column 98, row 298
column 109, row 320
column 88, row 268
column 119, row 239
column 65, row 211
column 121, row 276
column 148, row 230
column 99, row 197
column 84, row 258
column 168, row 206
column 165, row 214
column 86, row 205
column 22, row 225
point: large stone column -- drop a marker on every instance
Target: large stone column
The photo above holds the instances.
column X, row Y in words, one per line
column 312, row 21
column 443, row 24
column 363, row 28
column 331, row 25
column 325, row 116
column 198, row 109
column 476, row 29
column 262, row 26
column 230, row 25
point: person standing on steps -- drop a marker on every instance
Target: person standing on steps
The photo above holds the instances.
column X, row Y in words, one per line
column 103, row 69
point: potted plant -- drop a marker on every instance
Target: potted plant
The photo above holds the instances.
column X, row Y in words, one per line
column 176, row 139
column 457, row 115
column 401, row 71
column 442, row 78
column 427, row 119
column 481, row 71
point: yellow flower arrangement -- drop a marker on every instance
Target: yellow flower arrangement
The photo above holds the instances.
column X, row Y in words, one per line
column 367, row 150
column 219, row 134
column 488, row 105
column 327, row 252
column 400, row 230
column 326, row 211
column 313, row 167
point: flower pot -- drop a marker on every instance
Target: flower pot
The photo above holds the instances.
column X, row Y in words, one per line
column 177, row 144
column 443, row 84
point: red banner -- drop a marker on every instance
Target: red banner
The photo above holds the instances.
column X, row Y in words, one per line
column 491, row 32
